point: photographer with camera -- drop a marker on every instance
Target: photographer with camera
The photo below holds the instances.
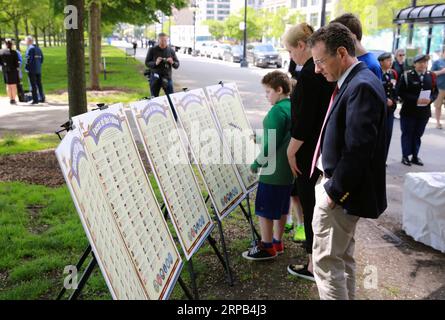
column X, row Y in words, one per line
column 160, row 60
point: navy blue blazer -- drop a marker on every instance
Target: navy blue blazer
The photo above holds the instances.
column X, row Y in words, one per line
column 354, row 145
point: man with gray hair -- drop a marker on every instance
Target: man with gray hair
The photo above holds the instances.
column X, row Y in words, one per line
column 352, row 153
column 399, row 62
column 34, row 61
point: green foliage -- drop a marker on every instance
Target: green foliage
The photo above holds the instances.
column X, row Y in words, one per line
column 216, row 28
column 376, row 14
column 254, row 25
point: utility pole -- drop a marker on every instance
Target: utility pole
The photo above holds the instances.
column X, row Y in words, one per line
column 244, row 63
column 411, row 26
column 323, row 13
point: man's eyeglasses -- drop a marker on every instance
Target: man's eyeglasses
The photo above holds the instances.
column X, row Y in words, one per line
column 401, row 55
column 320, row 62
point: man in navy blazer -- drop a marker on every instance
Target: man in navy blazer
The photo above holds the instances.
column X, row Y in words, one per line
column 352, row 152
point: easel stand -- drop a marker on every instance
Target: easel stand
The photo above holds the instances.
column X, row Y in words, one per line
column 68, row 126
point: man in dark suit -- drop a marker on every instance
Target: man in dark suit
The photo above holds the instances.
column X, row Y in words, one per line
column 352, row 150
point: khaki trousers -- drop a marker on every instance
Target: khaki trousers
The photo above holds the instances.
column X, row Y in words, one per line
column 333, row 249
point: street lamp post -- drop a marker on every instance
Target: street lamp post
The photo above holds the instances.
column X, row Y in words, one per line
column 323, row 13
column 244, row 63
column 194, row 8
column 411, row 26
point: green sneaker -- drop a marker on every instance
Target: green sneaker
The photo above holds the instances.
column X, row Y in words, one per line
column 288, row 227
column 299, row 235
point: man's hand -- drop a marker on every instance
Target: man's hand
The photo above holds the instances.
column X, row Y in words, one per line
column 293, row 165
column 423, row 102
column 159, row 60
column 292, row 149
column 390, row 103
column 170, row 60
column 331, row 203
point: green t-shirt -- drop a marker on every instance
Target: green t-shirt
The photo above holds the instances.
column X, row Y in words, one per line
column 279, row 119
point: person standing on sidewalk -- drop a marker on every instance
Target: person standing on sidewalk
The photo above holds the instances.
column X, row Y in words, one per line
column 399, row 62
column 389, row 81
column 418, row 90
column 160, row 60
column 439, row 69
column 9, row 61
column 351, row 152
column 34, row 61
column 354, row 24
column 310, row 100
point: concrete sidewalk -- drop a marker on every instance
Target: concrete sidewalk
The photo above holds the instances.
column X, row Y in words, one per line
column 31, row 119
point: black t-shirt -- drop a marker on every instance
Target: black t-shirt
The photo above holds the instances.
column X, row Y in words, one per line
column 164, row 69
column 9, row 60
column 309, row 104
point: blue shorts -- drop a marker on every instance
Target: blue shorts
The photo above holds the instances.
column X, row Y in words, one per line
column 272, row 202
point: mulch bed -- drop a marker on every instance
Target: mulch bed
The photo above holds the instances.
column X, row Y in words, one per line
column 40, row 168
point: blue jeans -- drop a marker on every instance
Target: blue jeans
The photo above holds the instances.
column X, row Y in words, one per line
column 412, row 132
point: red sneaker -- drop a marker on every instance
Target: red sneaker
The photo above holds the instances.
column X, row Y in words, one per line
column 279, row 247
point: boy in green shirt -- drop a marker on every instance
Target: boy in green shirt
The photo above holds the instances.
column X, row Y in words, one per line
column 276, row 179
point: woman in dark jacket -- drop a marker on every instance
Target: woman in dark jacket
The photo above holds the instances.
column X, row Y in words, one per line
column 309, row 103
column 9, row 61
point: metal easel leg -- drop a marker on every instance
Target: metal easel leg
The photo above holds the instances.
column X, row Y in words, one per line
column 78, row 266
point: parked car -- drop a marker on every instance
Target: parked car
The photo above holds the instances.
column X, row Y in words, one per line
column 233, row 54
column 263, row 55
column 206, row 48
column 217, row 51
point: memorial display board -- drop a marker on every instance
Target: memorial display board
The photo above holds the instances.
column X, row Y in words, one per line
column 173, row 171
column 229, row 112
column 117, row 206
column 206, row 144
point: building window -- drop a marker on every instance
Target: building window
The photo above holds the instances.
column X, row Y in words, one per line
column 293, row 4
column 313, row 20
column 303, row 3
column 315, row 2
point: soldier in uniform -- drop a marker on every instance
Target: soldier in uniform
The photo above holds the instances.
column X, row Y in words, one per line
column 389, row 80
column 34, row 61
column 417, row 88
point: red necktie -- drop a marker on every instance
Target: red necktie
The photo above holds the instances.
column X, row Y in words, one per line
column 318, row 148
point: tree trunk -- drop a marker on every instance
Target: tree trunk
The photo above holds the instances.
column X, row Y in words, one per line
column 95, row 43
column 36, row 35
column 49, row 36
column 75, row 52
column 27, row 27
column 16, row 34
column 44, row 36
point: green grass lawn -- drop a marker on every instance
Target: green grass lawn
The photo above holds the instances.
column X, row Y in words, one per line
column 40, row 234
column 125, row 76
column 13, row 144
